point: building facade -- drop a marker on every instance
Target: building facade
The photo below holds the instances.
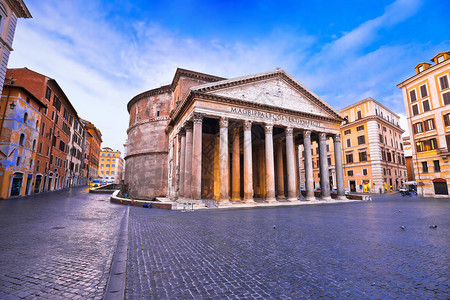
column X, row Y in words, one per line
column 206, row 137
column 94, row 141
column 21, row 114
column 374, row 160
column 427, row 101
column 10, row 11
column 111, row 166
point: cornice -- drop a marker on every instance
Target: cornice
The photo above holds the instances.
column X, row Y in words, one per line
column 370, row 118
column 195, row 75
column 423, row 73
column 142, row 153
column 147, row 121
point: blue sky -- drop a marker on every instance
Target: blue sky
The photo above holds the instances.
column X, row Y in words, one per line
column 103, row 53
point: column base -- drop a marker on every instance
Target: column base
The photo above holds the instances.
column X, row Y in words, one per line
column 281, row 197
column 292, row 199
column 311, row 198
column 223, row 202
column 235, row 199
column 326, row 198
column 271, row 200
column 249, row 201
column 341, row 198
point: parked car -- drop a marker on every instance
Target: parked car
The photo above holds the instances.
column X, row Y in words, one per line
column 96, row 183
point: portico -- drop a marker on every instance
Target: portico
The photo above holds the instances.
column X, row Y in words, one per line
column 237, row 141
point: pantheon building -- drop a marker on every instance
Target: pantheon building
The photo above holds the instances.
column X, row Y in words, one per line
column 244, row 140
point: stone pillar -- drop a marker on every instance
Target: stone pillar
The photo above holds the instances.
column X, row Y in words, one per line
column 280, row 174
column 248, row 165
column 196, row 186
column 188, row 162
column 290, row 164
column 309, row 174
column 339, row 169
column 324, row 173
column 182, row 162
column 270, row 167
column 223, row 163
column 298, row 152
column 236, row 168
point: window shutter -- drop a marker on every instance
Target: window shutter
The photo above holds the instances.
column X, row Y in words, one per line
column 444, row 82
column 412, row 95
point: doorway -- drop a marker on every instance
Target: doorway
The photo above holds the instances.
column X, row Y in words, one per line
column 352, row 186
column 16, row 185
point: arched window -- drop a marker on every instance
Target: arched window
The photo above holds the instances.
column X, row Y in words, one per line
column 34, row 144
column 22, row 139
column 37, row 124
column 25, row 117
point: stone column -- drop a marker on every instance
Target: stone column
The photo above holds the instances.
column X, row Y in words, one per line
column 196, row 186
column 280, row 174
column 182, row 162
column 309, row 175
column 324, row 173
column 270, row 167
column 236, row 168
column 223, row 162
column 339, row 169
column 298, row 152
column 290, row 164
column 248, row 165
column 188, row 162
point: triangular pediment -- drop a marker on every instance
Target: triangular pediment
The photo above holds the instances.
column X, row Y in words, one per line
column 273, row 89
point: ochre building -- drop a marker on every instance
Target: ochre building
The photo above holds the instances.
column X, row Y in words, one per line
column 427, row 101
column 204, row 137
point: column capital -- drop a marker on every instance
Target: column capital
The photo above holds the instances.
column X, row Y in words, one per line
column 289, row 130
column 223, row 122
column 268, row 128
column 188, row 126
column 247, row 125
column 197, row 117
column 307, row 134
column 337, row 138
column 182, row 131
column 322, row 136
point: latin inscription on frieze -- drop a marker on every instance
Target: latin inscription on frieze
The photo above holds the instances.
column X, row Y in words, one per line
column 276, row 117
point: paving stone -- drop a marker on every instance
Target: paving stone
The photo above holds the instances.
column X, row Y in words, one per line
column 352, row 250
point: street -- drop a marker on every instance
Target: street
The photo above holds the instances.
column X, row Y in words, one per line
column 57, row 245
column 60, row 245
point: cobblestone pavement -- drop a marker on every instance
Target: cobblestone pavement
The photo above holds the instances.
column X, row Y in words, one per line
column 57, row 245
column 352, row 250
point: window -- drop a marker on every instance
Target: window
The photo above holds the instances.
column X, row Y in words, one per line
column 415, row 110
column 25, row 117
column 109, row 154
column 103, row 154
column 440, row 59
column 446, row 98
column 424, row 167
column 43, row 129
column 40, row 147
column 101, row 165
column 349, row 157
column 22, row 139
column 112, row 172
column 107, row 165
column 48, row 94
column 426, row 105
column 34, row 144
column 384, row 129
column 56, row 103
column 62, row 146
column 348, row 131
column 361, row 140
column 359, row 115
column 107, row 159
column 364, row 171
column 417, row 127
column 66, row 114
column 349, row 143
column 437, row 167
column 447, row 119
column 443, row 81
column 426, row 145
column 362, row 156
column 381, row 138
column 389, row 157
column 113, row 166
column 360, row 128
column 18, row 161
column 350, row 173
column 412, row 95
column 429, row 124
column 423, row 91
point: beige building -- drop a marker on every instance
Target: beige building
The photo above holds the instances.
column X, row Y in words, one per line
column 10, row 11
column 372, row 150
column 205, row 137
column 111, row 166
column 427, row 101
